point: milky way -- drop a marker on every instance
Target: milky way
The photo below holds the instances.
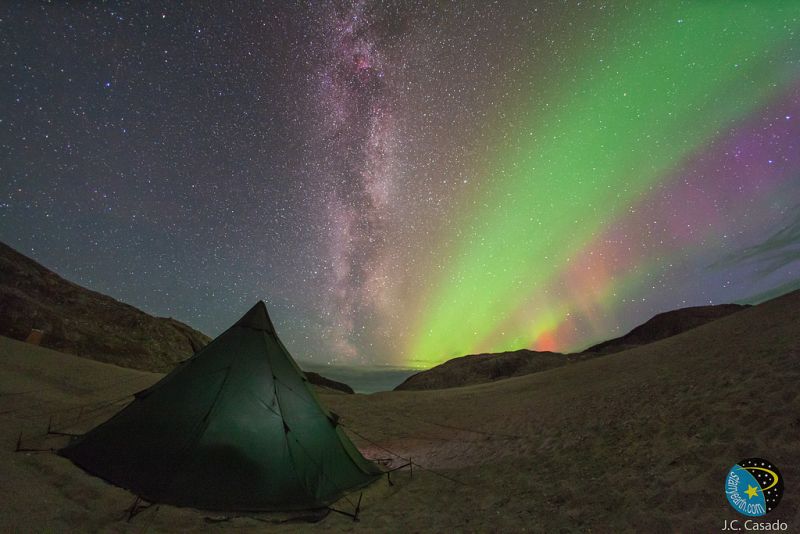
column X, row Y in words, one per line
column 405, row 182
column 357, row 134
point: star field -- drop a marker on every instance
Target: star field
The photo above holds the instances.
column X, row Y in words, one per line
column 405, row 182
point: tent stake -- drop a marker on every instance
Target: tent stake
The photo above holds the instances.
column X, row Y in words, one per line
column 390, row 471
column 348, row 514
column 56, row 433
column 51, row 432
column 20, row 448
column 358, row 506
column 135, row 509
column 132, row 509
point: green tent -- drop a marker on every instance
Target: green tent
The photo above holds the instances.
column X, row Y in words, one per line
column 237, row 427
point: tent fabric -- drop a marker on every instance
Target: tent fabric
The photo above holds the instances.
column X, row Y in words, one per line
column 237, row 427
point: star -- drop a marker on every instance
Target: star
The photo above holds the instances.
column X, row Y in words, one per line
column 751, row 491
column 341, row 168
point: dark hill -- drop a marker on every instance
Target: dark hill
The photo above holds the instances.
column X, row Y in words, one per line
column 79, row 321
column 665, row 325
column 479, row 368
column 319, row 380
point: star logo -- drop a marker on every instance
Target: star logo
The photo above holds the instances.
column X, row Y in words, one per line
column 754, row 487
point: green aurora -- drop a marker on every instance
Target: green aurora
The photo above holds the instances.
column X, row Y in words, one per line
column 635, row 113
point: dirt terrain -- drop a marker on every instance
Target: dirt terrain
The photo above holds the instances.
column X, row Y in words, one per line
column 640, row 440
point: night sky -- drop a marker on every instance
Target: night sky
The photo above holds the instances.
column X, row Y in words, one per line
column 405, row 182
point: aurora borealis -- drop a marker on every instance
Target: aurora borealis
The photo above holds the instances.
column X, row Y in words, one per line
column 407, row 182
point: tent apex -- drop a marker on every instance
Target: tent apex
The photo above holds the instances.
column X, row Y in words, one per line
column 257, row 318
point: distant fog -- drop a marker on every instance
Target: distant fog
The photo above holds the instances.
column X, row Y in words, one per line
column 362, row 378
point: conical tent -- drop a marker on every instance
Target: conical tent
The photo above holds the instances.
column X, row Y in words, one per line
column 236, row 427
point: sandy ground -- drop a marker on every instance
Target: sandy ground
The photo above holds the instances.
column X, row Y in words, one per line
column 636, row 441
